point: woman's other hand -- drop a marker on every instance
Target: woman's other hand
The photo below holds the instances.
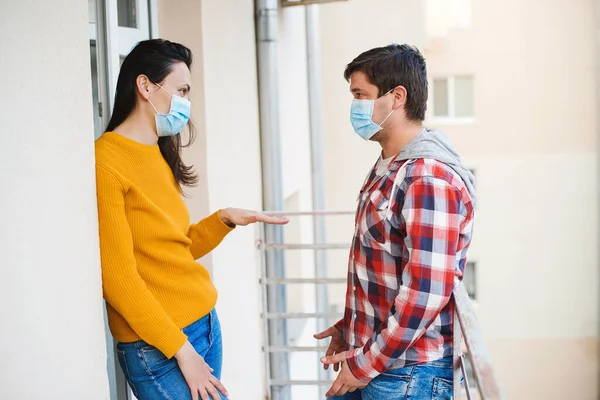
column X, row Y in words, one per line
column 198, row 374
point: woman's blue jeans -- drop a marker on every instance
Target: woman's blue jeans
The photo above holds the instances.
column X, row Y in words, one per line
column 154, row 377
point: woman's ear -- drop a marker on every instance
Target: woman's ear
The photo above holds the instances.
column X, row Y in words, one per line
column 143, row 86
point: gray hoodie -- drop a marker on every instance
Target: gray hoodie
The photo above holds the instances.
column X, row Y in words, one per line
column 433, row 144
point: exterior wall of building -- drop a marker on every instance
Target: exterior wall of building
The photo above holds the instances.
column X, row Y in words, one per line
column 533, row 145
column 52, row 338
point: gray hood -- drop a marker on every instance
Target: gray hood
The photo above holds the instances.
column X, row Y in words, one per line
column 433, row 144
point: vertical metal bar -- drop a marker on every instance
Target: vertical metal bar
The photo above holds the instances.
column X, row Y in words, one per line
column 267, row 33
column 456, row 353
column 263, row 283
column 313, row 57
column 112, row 49
column 153, row 18
column 103, row 57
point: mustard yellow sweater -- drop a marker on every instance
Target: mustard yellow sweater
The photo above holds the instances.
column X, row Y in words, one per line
column 152, row 285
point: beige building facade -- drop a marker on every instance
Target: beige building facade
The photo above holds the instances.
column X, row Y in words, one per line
column 533, row 143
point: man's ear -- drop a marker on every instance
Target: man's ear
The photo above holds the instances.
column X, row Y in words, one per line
column 400, row 97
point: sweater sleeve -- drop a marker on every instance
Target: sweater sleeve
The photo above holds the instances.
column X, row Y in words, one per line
column 123, row 287
column 207, row 234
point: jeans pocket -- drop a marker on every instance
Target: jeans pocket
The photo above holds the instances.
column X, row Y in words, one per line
column 155, row 361
column 442, row 389
column 388, row 386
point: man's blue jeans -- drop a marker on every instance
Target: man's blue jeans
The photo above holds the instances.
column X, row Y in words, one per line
column 154, row 377
column 431, row 381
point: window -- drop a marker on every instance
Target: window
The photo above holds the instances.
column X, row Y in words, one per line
column 470, row 279
column 453, row 98
column 127, row 11
column 114, row 28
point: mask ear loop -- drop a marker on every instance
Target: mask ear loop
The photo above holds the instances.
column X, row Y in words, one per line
column 153, row 106
column 385, row 94
column 381, row 123
column 166, row 91
column 385, row 119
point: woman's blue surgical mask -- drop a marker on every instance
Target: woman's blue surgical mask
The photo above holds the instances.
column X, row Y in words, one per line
column 361, row 117
column 172, row 123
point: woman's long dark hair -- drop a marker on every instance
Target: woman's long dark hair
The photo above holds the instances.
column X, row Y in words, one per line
column 154, row 58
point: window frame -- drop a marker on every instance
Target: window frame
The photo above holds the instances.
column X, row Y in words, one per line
column 451, row 118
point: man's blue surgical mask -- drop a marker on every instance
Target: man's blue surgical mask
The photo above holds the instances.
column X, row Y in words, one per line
column 172, row 123
column 361, row 117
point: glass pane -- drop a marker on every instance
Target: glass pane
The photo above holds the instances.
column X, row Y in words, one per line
column 92, row 11
column 440, row 97
column 127, row 13
column 469, row 279
column 463, row 96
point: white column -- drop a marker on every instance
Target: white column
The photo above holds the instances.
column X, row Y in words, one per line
column 234, row 179
column 52, row 342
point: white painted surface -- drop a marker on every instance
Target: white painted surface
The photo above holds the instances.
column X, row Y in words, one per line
column 52, row 342
column 234, row 179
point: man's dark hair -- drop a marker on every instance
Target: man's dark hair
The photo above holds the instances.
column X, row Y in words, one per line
column 392, row 66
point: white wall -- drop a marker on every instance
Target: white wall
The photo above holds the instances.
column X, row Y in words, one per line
column 52, row 342
column 180, row 21
column 234, row 179
column 297, row 189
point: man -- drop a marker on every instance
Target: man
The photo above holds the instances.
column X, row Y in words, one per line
column 413, row 228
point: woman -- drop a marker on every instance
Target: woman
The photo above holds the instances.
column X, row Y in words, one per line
column 160, row 302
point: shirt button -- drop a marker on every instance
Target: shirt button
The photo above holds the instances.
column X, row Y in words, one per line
column 354, row 288
column 354, row 316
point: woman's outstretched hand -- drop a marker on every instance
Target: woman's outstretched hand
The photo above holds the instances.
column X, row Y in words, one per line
column 238, row 216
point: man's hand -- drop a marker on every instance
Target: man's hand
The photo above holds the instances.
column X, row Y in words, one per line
column 346, row 381
column 337, row 344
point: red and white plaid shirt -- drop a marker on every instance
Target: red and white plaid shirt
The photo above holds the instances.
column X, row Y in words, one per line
column 413, row 229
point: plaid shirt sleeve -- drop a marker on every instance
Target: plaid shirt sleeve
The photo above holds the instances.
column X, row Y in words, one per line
column 430, row 218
